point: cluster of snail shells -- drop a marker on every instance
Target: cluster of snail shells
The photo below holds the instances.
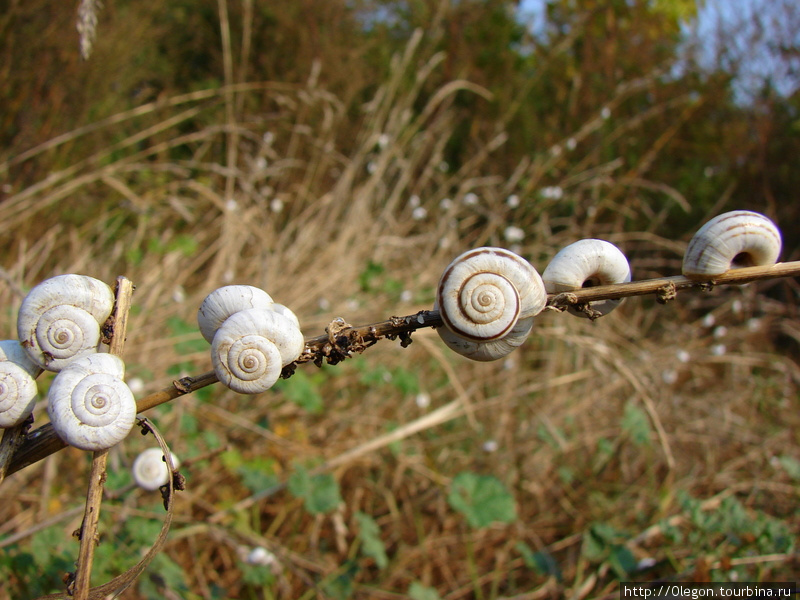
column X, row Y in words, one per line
column 252, row 338
column 59, row 327
column 487, row 297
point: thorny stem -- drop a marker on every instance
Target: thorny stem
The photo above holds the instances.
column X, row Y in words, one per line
column 342, row 341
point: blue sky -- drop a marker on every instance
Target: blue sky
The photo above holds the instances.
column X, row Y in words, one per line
column 761, row 28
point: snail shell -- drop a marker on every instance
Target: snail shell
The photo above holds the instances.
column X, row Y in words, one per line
column 17, row 384
column 491, row 350
column 587, row 263
column 226, row 301
column 60, row 319
column 482, row 296
column 89, row 404
column 252, row 346
column 150, row 470
column 740, row 238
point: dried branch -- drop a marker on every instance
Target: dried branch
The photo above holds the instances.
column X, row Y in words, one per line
column 341, row 340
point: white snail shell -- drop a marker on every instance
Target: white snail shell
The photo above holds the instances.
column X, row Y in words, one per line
column 740, row 238
column 17, row 384
column 60, row 319
column 286, row 312
column 226, row 301
column 252, row 346
column 482, row 296
column 587, row 263
column 490, row 350
column 89, row 404
column 150, row 470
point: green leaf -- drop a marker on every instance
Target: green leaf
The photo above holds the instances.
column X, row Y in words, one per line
column 636, row 424
column 370, row 535
column 541, row 562
column 791, row 466
column 303, row 391
column 258, row 474
column 162, row 574
column 622, row 561
column 417, row 591
column 482, row 499
column 320, row 493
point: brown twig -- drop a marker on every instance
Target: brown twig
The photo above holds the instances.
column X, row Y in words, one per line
column 341, row 341
column 97, row 477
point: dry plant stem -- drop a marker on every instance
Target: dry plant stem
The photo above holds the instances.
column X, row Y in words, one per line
column 343, row 341
column 116, row 330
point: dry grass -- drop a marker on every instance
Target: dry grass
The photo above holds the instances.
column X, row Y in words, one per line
column 303, row 209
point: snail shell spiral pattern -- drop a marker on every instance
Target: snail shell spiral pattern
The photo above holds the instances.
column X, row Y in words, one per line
column 17, row 384
column 740, row 238
column 482, row 296
column 587, row 263
column 60, row 319
column 90, row 405
column 251, row 347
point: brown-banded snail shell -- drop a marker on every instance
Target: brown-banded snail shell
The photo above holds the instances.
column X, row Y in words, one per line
column 587, row 263
column 739, row 238
column 487, row 298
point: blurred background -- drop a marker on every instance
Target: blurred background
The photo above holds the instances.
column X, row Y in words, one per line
column 339, row 154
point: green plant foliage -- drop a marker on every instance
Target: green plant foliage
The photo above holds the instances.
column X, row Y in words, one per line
column 32, row 573
column 417, row 591
column 303, row 390
column 370, row 535
column 791, row 466
column 604, row 543
column 482, row 499
column 257, row 474
column 636, row 424
column 542, row 562
column 161, row 575
column 320, row 493
column 340, row 586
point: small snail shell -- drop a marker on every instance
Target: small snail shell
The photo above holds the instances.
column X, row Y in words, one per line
column 150, row 469
column 740, row 238
column 491, row 350
column 89, row 404
column 60, row 319
column 17, row 384
column 482, row 296
column 587, row 263
column 286, row 312
column 226, row 301
column 252, row 346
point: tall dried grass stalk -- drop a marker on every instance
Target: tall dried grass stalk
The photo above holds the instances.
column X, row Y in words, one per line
column 87, row 25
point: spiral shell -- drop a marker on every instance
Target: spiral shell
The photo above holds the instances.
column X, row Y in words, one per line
column 17, row 384
column 487, row 298
column 252, row 346
column 226, row 301
column 60, row 319
column 89, row 404
column 587, row 263
column 150, row 470
column 490, row 350
column 740, row 238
